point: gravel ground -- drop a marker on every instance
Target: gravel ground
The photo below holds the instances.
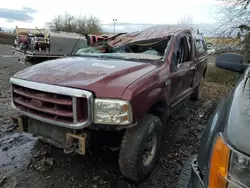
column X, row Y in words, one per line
column 26, row 162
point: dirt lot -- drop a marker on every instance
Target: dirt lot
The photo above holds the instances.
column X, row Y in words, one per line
column 26, row 162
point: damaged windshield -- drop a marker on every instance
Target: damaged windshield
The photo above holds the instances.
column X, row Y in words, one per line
column 126, row 47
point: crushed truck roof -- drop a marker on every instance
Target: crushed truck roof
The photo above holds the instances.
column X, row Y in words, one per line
column 160, row 32
column 155, row 36
column 150, row 34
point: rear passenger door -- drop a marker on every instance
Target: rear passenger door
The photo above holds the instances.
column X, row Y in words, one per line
column 201, row 57
column 182, row 69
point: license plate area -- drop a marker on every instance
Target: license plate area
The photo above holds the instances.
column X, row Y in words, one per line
column 48, row 131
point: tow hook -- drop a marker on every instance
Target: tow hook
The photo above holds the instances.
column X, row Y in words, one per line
column 18, row 119
column 75, row 143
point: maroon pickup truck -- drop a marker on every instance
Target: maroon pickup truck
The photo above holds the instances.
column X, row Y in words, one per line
column 129, row 88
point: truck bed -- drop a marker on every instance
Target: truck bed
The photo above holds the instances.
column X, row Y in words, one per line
column 35, row 53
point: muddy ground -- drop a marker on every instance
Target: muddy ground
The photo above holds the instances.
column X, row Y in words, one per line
column 26, row 162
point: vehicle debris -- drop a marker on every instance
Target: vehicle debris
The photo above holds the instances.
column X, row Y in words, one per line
column 41, row 164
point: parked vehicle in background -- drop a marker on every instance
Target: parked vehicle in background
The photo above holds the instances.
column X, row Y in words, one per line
column 35, row 45
column 223, row 156
column 127, row 85
column 210, row 49
column 92, row 39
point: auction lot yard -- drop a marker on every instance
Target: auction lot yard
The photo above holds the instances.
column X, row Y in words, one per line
column 26, row 162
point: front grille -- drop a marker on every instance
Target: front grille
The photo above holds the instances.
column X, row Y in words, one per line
column 57, row 108
column 48, row 105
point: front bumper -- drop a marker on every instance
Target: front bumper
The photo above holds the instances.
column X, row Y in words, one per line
column 196, row 180
column 68, row 139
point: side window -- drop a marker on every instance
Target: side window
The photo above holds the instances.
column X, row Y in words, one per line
column 195, row 48
column 190, row 47
column 184, row 50
column 200, row 46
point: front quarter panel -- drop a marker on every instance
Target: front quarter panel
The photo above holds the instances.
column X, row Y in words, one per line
column 217, row 123
column 214, row 125
column 147, row 90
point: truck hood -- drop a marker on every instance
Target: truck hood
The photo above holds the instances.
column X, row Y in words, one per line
column 104, row 77
column 238, row 125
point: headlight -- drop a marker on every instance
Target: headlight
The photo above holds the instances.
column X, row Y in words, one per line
column 228, row 168
column 113, row 112
column 239, row 171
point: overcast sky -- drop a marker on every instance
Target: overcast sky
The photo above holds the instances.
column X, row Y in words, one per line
column 36, row 13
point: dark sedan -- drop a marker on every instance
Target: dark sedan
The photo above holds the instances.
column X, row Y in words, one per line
column 223, row 159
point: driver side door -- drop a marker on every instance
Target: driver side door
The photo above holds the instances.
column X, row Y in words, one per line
column 182, row 70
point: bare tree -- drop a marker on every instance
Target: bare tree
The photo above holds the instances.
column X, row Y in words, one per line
column 187, row 20
column 234, row 19
column 81, row 25
column 233, row 16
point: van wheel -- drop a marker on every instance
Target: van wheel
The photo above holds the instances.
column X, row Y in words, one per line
column 140, row 148
column 186, row 172
column 198, row 91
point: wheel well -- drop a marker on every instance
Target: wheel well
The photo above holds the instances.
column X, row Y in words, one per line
column 159, row 109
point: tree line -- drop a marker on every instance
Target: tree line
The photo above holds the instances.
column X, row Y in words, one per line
column 234, row 17
column 81, row 24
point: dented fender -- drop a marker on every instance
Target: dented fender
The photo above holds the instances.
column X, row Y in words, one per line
column 148, row 90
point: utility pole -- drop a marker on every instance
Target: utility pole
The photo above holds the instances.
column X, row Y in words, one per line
column 114, row 20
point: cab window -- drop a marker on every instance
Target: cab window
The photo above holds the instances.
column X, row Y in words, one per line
column 184, row 50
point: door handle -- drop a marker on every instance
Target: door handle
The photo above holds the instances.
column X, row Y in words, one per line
column 192, row 67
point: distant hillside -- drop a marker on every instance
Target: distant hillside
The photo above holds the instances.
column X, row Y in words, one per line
column 7, row 29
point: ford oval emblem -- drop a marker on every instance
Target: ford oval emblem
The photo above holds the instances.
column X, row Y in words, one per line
column 36, row 103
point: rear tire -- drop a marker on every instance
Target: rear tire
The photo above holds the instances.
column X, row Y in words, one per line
column 198, row 91
column 140, row 148
column 186, row 172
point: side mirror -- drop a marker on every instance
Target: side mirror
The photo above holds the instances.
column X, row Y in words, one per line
column 232, row 62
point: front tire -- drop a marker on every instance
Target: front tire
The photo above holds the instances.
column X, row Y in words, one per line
column 186, row 173
column 140, row 148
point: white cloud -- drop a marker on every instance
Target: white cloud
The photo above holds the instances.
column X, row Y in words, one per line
column 129, row 11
